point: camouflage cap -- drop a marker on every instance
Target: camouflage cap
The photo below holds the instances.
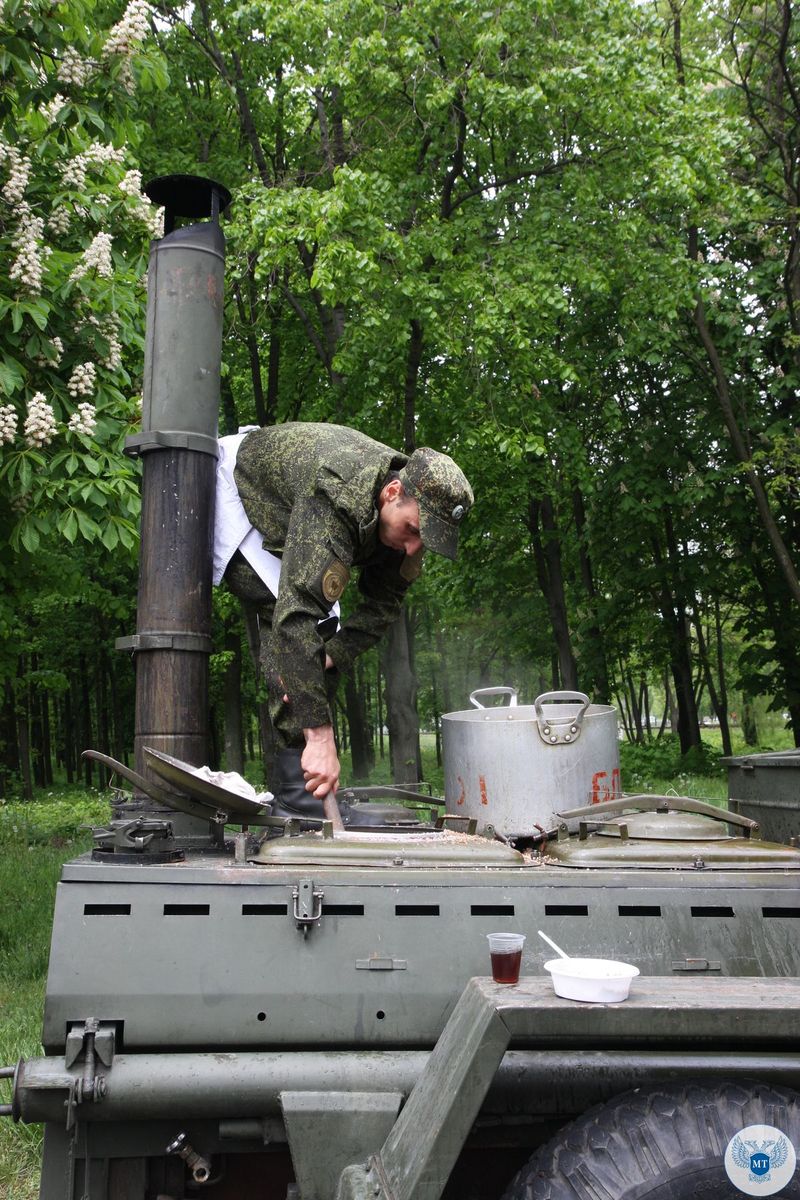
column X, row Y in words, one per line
column 444, row 497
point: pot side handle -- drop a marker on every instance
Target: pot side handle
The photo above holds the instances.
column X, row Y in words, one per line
column 556, row 731
column 511, row 692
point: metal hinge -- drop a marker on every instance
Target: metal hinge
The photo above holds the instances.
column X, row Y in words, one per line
column 306, row 905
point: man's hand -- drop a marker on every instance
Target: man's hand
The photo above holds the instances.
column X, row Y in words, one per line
column 320, row 761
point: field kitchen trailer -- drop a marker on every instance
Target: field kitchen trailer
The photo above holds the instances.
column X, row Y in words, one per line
column 239, row 1010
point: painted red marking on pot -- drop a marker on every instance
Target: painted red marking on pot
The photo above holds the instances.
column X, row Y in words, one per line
column 462, row 797
column 484, row 797
column 600, row 789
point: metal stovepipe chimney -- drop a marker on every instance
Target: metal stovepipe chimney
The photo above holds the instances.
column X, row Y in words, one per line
column 178, row 447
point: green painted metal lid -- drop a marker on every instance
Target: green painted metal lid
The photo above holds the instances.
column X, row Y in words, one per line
column 439, row 848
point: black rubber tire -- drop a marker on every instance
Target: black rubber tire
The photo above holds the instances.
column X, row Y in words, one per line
column 662, row 1143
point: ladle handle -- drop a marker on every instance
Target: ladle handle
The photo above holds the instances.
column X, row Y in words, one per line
column 330, row 808
column 550, row 942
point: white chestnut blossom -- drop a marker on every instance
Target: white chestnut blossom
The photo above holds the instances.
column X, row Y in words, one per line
column 59, row 221
column 99, row 154
column 96, row 257
column 28, row 267
column 72, row 68
column 83, row 380
column 40, row 423
column 51, row 356
column 126, row 76
column 113, row 360
column 131, row 184
column 155, row 222
column 19, row 169
column 52, row 108
column 108, row 328
column 84, row 419
column 8, row 423
column 124, row 38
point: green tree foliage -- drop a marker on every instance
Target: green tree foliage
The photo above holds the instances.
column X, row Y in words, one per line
column 74, row 228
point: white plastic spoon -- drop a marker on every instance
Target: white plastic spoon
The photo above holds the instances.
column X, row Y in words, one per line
column 550, row 942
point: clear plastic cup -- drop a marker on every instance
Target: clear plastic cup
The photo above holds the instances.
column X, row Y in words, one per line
column 506, row 952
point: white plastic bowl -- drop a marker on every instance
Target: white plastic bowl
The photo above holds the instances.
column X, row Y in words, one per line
column 599, row 980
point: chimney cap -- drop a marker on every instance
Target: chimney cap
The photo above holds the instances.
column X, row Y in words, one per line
column 187, row 196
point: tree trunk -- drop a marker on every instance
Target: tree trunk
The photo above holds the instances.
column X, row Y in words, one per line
column 780, row 551
column 547, row 556
column 401, row 712
column 9, row 761
column 379, row 709
column 594, row 666
column 673, row 612
column 622, row 710
column 356, row 710
column 645, row 691
column 85, row 718
column 234, row 739
column 70, row 762
column 667, row 714
column 749, row 726
column 36, row 731
column 23, row 731
column 265, row 735
column 717, row 697
column 103, row 711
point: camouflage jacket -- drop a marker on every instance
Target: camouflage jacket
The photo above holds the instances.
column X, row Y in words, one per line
column 311, row 490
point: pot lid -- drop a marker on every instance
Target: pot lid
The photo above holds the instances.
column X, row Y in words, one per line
column 435, row 848
column 665, row 826
column 742, row 854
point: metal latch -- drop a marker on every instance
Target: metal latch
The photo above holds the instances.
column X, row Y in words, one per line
column 134, row 833
column 381, row 964
column 696, row 964
column 306, row 905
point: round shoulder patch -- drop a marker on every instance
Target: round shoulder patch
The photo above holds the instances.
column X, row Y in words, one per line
column 334, row 580
column 760, row 1160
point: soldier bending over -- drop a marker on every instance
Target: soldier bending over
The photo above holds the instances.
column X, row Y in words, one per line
column 299, row 506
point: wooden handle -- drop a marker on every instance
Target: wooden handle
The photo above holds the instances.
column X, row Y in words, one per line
column 331, row 809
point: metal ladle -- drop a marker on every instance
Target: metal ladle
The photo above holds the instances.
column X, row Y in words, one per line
column 550, row 942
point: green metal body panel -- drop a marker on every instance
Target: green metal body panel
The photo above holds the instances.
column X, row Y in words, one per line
column 235, row 999
column 766, row 788
column 209, row 954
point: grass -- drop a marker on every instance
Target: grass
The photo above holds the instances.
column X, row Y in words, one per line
column 28, row 877
column 36, row 839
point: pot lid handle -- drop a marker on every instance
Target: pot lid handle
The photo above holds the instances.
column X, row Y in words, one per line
column 555, row 731
column 511, row 692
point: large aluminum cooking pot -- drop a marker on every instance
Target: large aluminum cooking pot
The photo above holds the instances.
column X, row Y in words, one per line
column 516, row 766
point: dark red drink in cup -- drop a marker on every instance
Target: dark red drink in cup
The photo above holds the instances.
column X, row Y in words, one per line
column 506, row 954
